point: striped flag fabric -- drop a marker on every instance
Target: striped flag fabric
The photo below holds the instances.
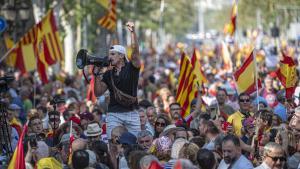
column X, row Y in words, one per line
column 195, row 61
column 18, row 159
column 227, row 62
column 39, row 47
column 245, row 76
column 232, row 25
column 287, row 74
column 9, row 43
column 109, row 21
column 186, row 85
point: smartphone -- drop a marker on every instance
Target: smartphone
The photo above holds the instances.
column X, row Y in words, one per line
column 33, row 141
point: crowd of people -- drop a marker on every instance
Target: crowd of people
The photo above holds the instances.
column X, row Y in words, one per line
column 224, row 129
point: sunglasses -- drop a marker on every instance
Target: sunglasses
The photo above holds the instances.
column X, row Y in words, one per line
column 174, row 109
column 275, row 159
column 160, row 124
column 244, row 100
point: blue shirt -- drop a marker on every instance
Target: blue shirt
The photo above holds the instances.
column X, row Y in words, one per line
column 280, row 110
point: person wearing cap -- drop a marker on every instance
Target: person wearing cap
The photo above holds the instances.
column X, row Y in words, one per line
column 93, row 132
column 121, row 79
column 54, row 121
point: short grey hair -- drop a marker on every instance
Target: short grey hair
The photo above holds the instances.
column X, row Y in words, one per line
column 271, row 146
column 144, row 133
column 297, row 109
column 146, row 161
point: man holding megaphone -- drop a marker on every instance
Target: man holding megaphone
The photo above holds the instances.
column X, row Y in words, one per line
column 121, row 79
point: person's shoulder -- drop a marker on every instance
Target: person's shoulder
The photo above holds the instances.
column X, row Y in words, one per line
column 245, row 163
column 131, row 65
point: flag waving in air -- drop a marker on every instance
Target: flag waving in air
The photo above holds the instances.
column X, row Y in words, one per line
column 186, row 85
column 231, row 27
column 39, row 48
column 109, row 20
column 287, row 75
column 195, row 61
column 18, row 158
column 245, row 76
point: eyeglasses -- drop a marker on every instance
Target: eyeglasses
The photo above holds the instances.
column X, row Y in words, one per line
column 160, row 124
column 244, row 100
column 275, row 159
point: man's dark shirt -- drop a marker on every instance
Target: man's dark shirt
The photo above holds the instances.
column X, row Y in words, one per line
column 127, row 82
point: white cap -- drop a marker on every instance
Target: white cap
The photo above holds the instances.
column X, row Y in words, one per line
column 119, row 49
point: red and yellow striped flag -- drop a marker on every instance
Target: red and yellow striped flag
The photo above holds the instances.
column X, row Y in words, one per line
column 232, row 25
column 9, row 43
column 39, row 47
column 18, row 159
column 287, row 74
column 186, row 87
column 109, row 21
column 227, row 62
column 245, row 76
column 195, row 60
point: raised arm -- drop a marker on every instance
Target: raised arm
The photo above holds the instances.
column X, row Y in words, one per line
column 135, row 57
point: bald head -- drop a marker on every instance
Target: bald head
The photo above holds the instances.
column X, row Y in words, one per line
column 79, row 144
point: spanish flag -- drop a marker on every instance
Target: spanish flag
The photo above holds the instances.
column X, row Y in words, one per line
column 232, row 25
column 187, row 85
column 245, row 76
column 18, row 159
column 227, row 62
column 287, row 74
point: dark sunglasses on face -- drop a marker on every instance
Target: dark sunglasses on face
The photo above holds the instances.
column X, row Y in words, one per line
column 275, row 159
column 160, row 124
column 244, row 100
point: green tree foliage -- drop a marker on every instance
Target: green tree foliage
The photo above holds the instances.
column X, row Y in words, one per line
column 178, row 16
column 270, row 10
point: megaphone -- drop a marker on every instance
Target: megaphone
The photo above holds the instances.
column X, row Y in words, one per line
column 83, row 58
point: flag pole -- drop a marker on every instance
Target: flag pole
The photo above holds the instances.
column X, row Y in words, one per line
column 256, row 78
column 7, row 53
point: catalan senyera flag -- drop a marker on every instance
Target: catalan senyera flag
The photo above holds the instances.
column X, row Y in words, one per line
column 287, row 74
column 186, row 85
column 232, row 25
column 109, row 21
column 245, row 76
column 18, row 159
column 195, row 61
column 39, row 47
